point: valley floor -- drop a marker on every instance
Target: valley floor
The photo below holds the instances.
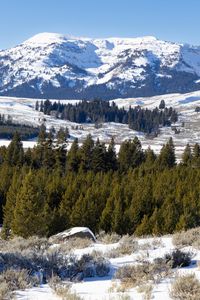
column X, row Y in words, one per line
column 101, row 288
column 22, row 111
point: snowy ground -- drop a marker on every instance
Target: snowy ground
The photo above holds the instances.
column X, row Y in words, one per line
column 22, row 111
column 98, row 288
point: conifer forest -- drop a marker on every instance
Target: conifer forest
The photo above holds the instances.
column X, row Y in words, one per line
column 47, row 189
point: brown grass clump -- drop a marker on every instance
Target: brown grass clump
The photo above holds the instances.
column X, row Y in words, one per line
column 135, row 275
column 108, row 238
column 185, row 287
column 11, row 280
column 190, row 237
column 62, row 290
column 74, row 243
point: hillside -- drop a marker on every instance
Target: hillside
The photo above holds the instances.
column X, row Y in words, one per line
column 22, row 111
column 57, row 66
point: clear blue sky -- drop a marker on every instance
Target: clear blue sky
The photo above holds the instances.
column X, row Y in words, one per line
column 174, row 20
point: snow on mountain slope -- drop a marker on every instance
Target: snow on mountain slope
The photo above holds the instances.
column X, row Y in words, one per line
column 58, row 66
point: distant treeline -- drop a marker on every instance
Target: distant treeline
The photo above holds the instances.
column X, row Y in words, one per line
column 98, row 111
column 48, row 189
column 8, row 129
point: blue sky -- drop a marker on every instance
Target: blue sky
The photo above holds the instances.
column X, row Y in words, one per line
column 174, row 20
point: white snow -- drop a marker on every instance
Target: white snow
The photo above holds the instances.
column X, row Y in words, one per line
column 73, row 231
column 22, row 111
column 48, row 55
column 99, row 288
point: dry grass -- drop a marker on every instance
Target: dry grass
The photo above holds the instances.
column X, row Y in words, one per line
column 11, row 280
column 135, row 275
column 190, row 237
column 185, row 287
column 124, row 248
column 108, row 238
column 62, row 290
column 146, row 290
column 74, row 243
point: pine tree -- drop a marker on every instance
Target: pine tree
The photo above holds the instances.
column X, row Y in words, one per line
column 144, row 227
column 117, row 215
column 111, row 157
column 9, row 207
column 29, row 210
column 61, row 149
column 37, row 105
column 162, row 104
column 73, row 157
column 167, row 158
column 187, row 156
column 15, row 152
column 98, row 162
column 86, row 152
column 196, row 156
column 130, row 154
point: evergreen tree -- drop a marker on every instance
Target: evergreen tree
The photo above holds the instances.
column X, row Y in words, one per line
column 15, row 152
column 73, row 157
column 162, row 104
column 86, row 153
column 196, row 156
column 130, row 154
column 167, row 158
column 29, row 210
column 9, row 207
column 111, row 157
column 98, row 162
column 187, row 155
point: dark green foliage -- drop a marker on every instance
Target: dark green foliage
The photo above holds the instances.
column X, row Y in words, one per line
column 8, row 128
column 98, row 111
column 47, row 189
column 162, row 104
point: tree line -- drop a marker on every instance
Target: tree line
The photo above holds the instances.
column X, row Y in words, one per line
column 48, row 189
column 98, row 111
column 8, row 128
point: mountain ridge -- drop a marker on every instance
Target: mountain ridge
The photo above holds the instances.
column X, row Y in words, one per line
column 52, row 65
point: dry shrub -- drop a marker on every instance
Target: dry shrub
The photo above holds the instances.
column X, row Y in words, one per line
column 133, row 275
column 146, row 289
column 190, row 237
column 74, row 243
column 151, row 245
column 126, row 247
column 120, row 296
column 62, row 290
column 4, row 291
column 157, row 243
column 19, row 244
column 12, row 280
column 108, row 238
column 178, row 258
column 185, row 287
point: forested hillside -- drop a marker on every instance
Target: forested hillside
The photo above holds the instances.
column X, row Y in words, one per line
column 47, row 189
column 8, row 128
column 98, row 111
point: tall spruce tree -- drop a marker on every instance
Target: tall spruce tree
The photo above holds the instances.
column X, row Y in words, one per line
column 29, row 218
column 187, row 156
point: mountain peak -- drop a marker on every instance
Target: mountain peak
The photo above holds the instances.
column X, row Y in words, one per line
column 46, row 38
column 53, row 65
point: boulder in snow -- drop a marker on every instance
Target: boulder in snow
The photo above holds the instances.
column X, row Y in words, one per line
column 81, row 232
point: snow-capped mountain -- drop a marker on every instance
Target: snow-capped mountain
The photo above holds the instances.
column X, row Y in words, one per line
column 56, row 66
